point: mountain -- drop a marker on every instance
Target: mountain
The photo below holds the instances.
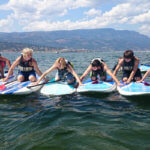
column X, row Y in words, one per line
column 90, row 39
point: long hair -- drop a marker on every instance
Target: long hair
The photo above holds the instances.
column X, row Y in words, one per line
column 61, row 61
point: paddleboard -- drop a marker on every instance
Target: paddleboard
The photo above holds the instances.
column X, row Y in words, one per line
column 18, row 88
column 144, row 68
column 134, row 89
column 99, row 87
column 57, row 88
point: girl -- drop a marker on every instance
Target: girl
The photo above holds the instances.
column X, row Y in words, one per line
column 98, row 67
column 65, row 72
column 27, row 67
column 129, row 64
column 3, row 62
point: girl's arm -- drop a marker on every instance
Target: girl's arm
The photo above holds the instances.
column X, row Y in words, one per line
column 75, row 74
column 36, row 68
column 86, row 72
column 111, row 74
column 46, row 72
column 15, row 63
column 134, row 70
column 117, row 67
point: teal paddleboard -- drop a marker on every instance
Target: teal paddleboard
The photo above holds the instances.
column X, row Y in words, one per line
column 57, row 88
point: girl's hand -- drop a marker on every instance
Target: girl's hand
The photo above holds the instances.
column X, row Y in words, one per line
column 139, row 81
column 4, row 79
column 119, row 84
column 81, row 84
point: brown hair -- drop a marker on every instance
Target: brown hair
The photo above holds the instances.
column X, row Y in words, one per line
column 128, row 54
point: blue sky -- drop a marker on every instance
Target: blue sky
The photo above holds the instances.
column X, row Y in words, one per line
column 50, row 15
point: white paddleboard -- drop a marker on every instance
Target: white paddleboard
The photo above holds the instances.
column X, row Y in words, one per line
column 100, row 87
column 57, row 88
column 18, row 88
column 134, row 89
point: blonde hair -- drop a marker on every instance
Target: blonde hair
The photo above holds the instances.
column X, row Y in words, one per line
column 61, row 61
column 26, row 51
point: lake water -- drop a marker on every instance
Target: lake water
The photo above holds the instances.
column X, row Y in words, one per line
column 75, row 122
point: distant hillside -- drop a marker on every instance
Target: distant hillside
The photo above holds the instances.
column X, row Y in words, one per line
column 12, row 46
column 90, row 39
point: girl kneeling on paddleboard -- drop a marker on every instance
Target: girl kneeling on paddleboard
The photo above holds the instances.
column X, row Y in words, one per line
column 3, row 62
column 129, row 64
column 98, row 68
column 65, row 72
column 27, row 67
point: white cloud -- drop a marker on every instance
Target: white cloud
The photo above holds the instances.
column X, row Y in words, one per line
column 93, row 12
column 65, row 25
column 6, row 24
column 145, row 29
column 42, row 14
column 25, row 12
column 40, row 8
column 142, row 18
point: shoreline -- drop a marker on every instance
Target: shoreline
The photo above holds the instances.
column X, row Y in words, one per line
column 68, row 51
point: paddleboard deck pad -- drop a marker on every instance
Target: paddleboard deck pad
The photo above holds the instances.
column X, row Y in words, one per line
column 99, row 87
column 57, row 88
column 134, row 89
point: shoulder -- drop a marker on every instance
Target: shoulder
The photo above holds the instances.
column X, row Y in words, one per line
column 136, row 59
column 2, row 58
column 54, row 66
column 33, row 60
column 121, row 61
column 68, row 62
column 18, row 59
column 104, row 66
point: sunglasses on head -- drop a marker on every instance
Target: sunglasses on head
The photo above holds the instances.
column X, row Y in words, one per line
column 95, row 65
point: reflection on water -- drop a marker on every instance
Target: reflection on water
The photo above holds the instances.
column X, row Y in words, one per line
column 74, row 121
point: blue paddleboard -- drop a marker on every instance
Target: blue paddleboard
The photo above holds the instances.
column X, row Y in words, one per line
column 134, row 89
column 144, row 68
column 57, row 88
column 99, row 87
column 13, row 87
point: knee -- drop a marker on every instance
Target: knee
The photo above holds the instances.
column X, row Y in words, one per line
column 32, row 78
column 138, row 78
column 124, row 79
column 57, row 78
column 71, row 81
column 20, row 78
column 93, row 78
column 103, row 78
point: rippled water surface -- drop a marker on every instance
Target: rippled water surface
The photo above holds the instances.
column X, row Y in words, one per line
column 75, row 122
